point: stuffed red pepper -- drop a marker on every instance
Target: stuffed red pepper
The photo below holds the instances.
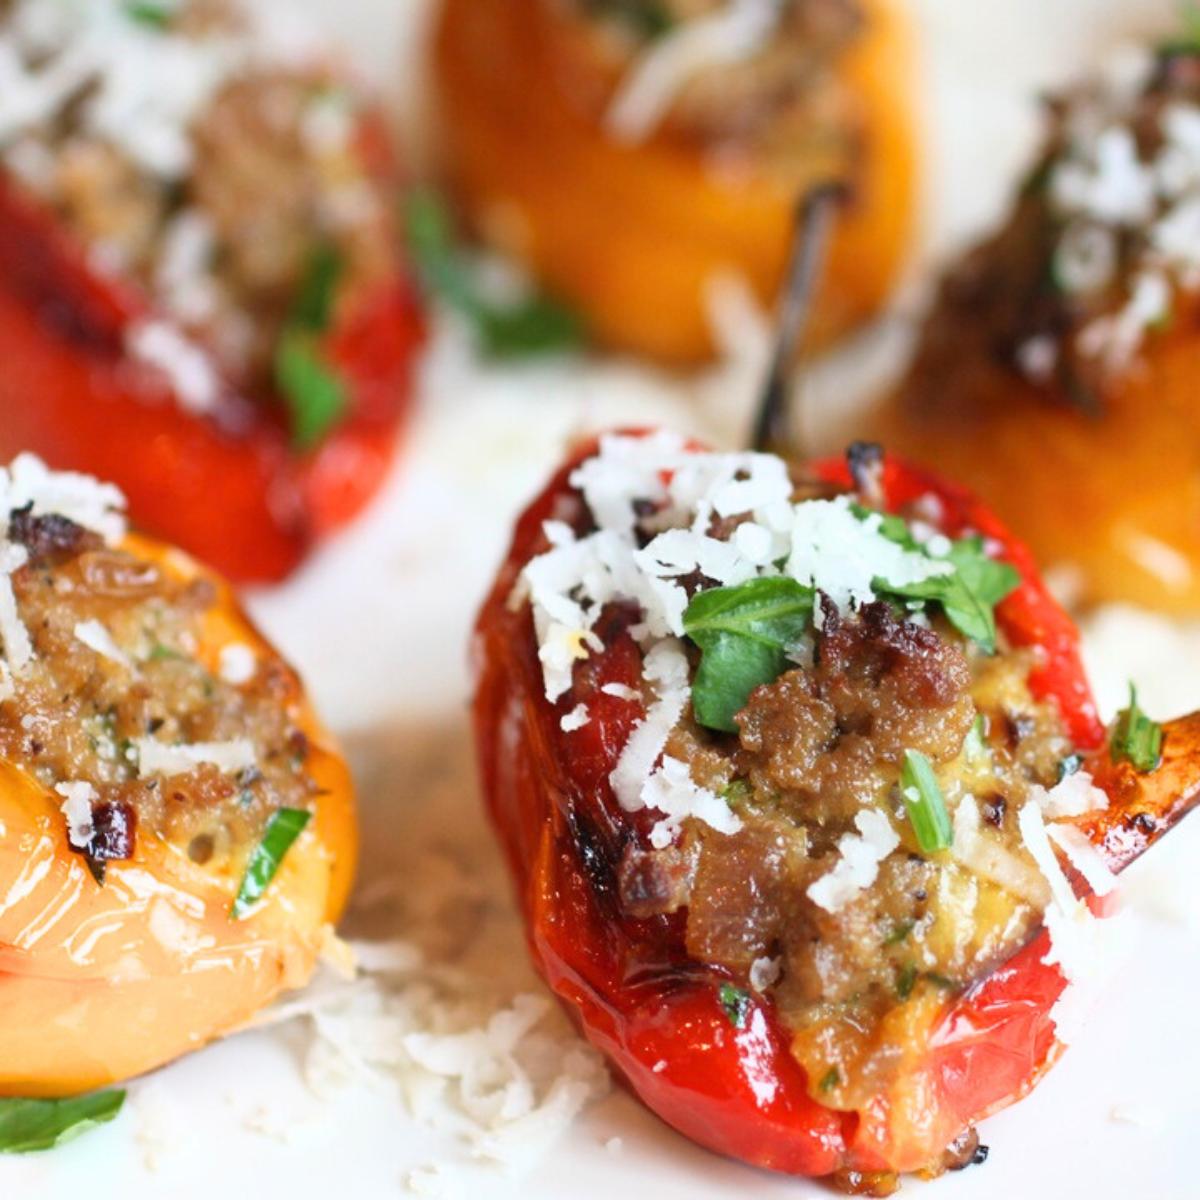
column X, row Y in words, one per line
column 202, row 295
column 805, row 795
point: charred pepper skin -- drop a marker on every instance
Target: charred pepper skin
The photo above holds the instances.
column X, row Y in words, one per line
column 629, row 983
column 227, row 485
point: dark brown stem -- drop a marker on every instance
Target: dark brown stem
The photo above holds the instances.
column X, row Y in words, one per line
column 814, row 222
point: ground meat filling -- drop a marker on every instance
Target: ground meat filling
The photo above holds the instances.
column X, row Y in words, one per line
column 77, row 713
column 783, row 102
column 1068, row 292
column 822, row 744
column 828, row 737
column 278, row 174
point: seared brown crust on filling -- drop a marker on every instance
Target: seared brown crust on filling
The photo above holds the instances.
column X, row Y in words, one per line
column 783, row 101
column 827, row 737
column 76, row 714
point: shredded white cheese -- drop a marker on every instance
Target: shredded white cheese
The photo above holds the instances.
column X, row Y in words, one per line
column 1084, row 857
column 95, row 636
column 577, row 718
column 729, row 35
column 237, row 663
column 989, row 859
column 1073, row 796
column 188, row 367
column 858, row 866
column 77, row 808
column 159, row 758
column 764, row 973
column 841, row 555
column 135, row 86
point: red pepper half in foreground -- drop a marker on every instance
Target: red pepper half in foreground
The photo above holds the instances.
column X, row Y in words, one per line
column 655, row 1012
column 227, row 486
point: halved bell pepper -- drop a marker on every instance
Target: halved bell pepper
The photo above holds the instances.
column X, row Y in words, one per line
column 226, row 485
column 654, row 1011
column 99, row 984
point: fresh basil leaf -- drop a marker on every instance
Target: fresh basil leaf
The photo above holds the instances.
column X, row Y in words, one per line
column 968, row 596
column 1135, row 738
column 891, row 526
column 744, row 634
column 925, row 804
column 284, row 827
column 313, row 305
column 147, row 12
column 314, row 393
column 30, row 1125
column 536, row 325
column 736, row 1004
column 649, row 18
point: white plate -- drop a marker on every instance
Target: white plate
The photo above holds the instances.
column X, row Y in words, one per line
column 380, row 622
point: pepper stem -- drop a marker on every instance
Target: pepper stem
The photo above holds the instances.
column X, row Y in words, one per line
column 814, row 222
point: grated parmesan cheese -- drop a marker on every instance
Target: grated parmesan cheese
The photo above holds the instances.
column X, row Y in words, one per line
column 237, row 663
column 729, row 35
column 77, row 808
column 577, row 718
column 1073, row 796
column 1084, row 857
column 158, row 758
column 858, row 866
column 187, row 367
column 96, row 637
column 821, row 543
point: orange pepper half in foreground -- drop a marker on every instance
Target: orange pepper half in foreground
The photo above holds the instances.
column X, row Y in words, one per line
column 99, row 984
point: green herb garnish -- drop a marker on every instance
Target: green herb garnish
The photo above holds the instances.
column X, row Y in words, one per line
column 736, row 793
column 941, row 981
column 906, row 981
column 969, row 595
column 1135, row 738
column 284, row 827
column 736, row 1004
column 314, row 392
column 649, row 18
column 830, row 1080
column 900, row 933
column 974, row 745
column 744, row 633
column 147, row 12
column 536, row 325
column 30, row 1125
column 1187, row 41
column 925, row 804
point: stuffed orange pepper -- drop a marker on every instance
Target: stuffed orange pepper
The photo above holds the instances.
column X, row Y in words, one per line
column 177, row 831
column 631, row 152
column 202, row 291
column 1057, row 372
